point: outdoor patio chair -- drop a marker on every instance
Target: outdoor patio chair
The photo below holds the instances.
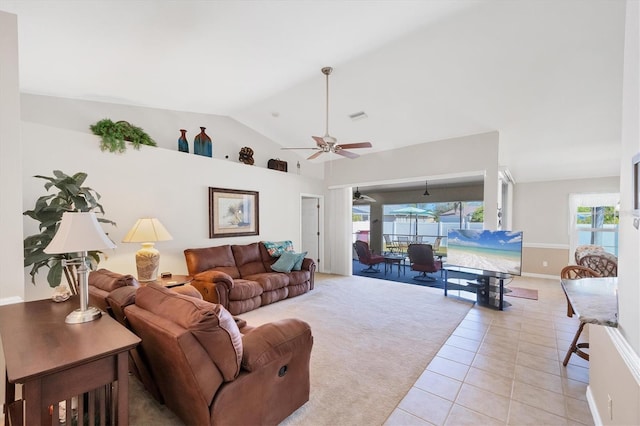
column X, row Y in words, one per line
column 389, row 243
column 422, row 260
column 575, row 272
column 366, row 257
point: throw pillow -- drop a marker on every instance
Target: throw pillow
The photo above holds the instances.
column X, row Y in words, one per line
column 286, row 262
column 298, row 264
column 276, row 248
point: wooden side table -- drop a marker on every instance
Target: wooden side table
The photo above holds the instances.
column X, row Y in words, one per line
column 173, row 281
column 55, row 361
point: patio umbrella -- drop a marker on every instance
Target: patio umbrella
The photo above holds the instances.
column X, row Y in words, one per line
column 410, row 211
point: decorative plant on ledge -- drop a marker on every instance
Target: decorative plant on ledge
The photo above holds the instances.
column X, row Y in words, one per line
column 115, row 135
column 71, row 196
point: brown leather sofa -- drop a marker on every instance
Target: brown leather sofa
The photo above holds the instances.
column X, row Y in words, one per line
column 240, row 278
column 208, row 372
column 102, row 282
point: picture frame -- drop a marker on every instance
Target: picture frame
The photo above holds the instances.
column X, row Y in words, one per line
column 233, row 213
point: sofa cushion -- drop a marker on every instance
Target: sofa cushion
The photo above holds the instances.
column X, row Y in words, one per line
column 245, row 289
column 271, row 280
column 248, row 259
column 218, row 258
column 211, row 324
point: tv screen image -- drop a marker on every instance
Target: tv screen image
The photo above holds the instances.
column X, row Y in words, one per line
column 495, row 251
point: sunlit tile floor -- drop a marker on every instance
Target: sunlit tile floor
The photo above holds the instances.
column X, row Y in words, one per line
column 505, row 368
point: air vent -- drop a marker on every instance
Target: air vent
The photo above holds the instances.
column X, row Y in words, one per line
column 358, row 116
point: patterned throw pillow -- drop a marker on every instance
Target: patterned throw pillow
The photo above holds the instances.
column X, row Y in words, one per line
column 276, row 248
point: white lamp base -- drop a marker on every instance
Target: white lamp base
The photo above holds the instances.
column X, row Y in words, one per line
column 147, row 262
column 79, row 316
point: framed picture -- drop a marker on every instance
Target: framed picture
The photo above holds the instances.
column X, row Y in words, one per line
column 233, row 213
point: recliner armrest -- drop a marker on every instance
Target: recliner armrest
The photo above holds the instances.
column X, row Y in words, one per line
column 274, row 340
column 214, row 286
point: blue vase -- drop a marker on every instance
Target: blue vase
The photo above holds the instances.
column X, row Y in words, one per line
column 202, row 144
column 183, row 144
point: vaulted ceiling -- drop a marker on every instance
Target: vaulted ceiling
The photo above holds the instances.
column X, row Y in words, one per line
column 546, row 74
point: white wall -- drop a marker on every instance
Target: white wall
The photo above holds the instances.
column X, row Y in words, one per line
column 163, row 126
column 10, row 169
column 614, row 370
column 167, row 184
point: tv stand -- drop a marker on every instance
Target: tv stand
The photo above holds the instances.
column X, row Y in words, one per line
column 487, row 294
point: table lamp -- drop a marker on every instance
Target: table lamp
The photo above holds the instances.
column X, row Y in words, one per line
column 147, row 230
column 80, row 232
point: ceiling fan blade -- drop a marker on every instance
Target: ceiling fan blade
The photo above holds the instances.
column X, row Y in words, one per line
column 316, row 155
column 347, row 154
column 319, row 141
column 356, row 145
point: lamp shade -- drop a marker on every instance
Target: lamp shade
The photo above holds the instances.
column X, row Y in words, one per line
column 147, row 229
column 79, row 231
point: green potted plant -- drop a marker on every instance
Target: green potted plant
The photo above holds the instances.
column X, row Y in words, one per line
column 115, row 135
column 71, row 196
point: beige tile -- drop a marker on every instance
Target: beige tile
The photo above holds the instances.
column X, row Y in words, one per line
column 547, row 365
column 541, row 327
column 456, row 354
column 469, row 334
column 539, row 398
column 538, row 378
column 438, row 384
column 508, row 322
column 426, row 406
column 506, row 333
column 401, row 418
column 490, row 364
column 574, row 359
column 463, row 343
column 574, row 389
column 500, row 353
column 522, row 414
column 565, row 335
column 538, row 350
column 549, row 340
column 462, row 416
column 448, row 368
column 473, row 325
column 579, row 410
column 490, row 381
column 575, row 372
column 483, row 402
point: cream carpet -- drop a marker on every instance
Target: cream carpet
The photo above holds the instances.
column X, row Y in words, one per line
column 372, row 340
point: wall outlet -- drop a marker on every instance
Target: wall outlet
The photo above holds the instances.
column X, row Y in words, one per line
column 545, row 263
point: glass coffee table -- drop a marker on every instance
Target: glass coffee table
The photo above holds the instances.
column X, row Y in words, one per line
column 391, row 259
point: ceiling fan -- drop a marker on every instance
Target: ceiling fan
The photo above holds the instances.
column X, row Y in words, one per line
column 328, row 143
column 358, row 196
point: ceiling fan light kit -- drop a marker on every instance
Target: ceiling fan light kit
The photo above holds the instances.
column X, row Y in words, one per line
column 358, row 196
column 328, row 143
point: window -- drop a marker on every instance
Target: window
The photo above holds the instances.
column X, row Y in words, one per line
column 593, row 220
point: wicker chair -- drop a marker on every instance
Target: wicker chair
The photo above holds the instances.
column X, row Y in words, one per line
column 575, row 272
column 605, row 264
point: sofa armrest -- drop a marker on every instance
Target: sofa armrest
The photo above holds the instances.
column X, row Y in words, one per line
column 309, row 264
column 273, row 341
column 214, row 286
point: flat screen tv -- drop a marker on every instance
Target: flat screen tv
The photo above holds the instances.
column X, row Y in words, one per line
column 492, row 251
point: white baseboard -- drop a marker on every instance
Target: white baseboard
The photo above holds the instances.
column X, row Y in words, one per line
column 549, row 277
column 597, row 420
column 10, row 300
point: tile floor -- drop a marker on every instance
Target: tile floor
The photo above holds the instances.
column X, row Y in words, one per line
column 505, row 368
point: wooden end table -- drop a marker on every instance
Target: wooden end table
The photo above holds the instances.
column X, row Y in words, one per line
column 173, row 280
column 55, row 361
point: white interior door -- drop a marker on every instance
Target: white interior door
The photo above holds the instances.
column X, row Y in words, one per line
column 310, row 233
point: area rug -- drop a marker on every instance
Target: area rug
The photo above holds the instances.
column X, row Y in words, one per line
column 523, row 293
column 372, row 340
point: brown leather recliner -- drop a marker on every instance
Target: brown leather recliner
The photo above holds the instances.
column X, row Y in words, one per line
column 208, row 372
